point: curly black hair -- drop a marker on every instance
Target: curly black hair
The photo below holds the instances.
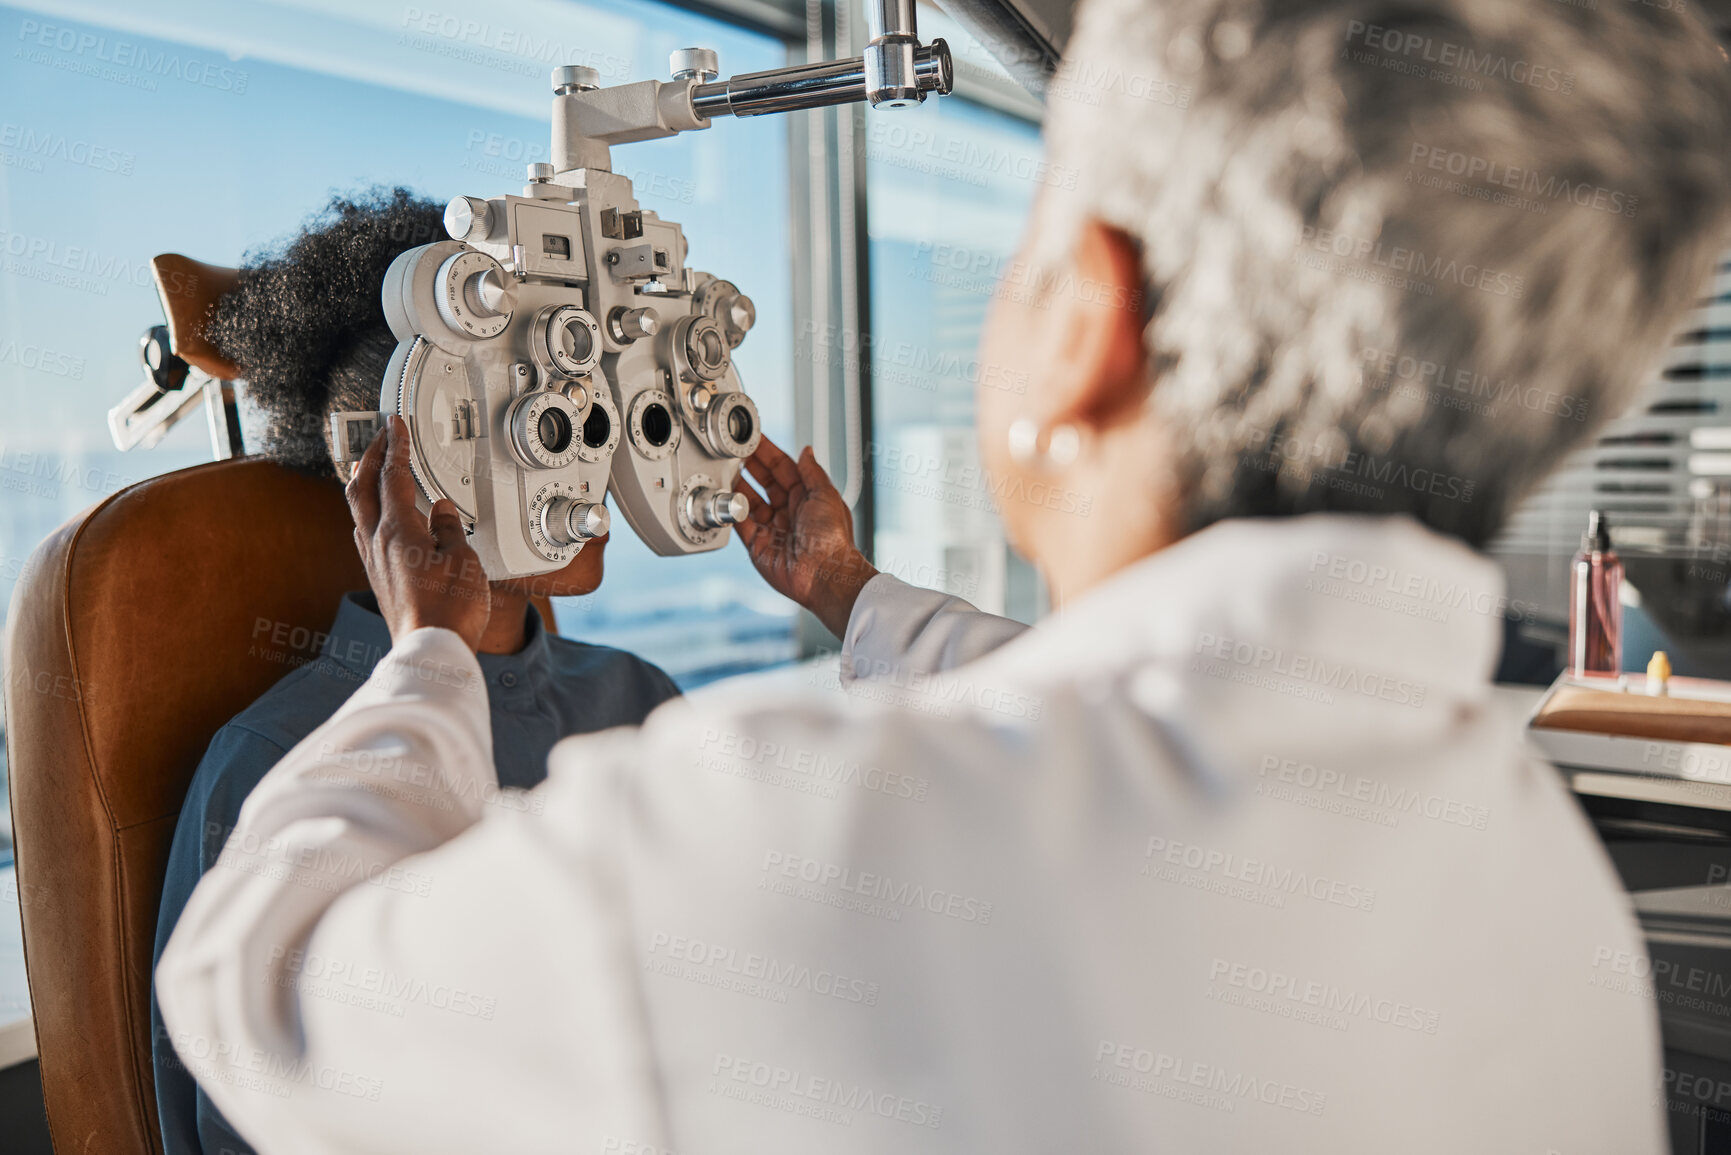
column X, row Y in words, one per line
column 305, row 324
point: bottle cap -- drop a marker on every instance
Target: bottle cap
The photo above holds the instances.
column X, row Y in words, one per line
column 1597, row 539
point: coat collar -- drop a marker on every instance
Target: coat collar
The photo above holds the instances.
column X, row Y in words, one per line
column 1337, row 627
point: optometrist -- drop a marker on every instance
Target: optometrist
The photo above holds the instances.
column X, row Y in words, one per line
column 1235, row 851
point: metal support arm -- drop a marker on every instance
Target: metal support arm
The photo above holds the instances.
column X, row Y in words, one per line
column 814, row 85
column 895, row 70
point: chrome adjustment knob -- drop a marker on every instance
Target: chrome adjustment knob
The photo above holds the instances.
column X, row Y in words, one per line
column 569, row 78
column 490, row 293
column 474, row 295
column 716, row 508
column 468, row 219
column 567, row 521
column 731, row 309
column 628, row 325
column 737, row 321
column 699, row 64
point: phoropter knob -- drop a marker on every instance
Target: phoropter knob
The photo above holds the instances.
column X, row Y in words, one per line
column 489, row 294
column 628, row 325
column 468, row 219
column 699, row 64
column 569, row 78
column 738, row 318
column 567, row 521
column 731, row 309
column 716, row 508
column 474, row 296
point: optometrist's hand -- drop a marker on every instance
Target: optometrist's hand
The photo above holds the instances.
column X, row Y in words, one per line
column 800, row 535
column 422, row 569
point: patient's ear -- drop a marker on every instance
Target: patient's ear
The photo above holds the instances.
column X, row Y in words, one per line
column 1100, row 308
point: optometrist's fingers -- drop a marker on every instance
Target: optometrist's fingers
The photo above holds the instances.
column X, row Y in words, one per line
column 362, row 490
column 812, row 475
column 446, row 526
column 760, row 508
column 774, row 492
column 397, row 490
column 780, row 466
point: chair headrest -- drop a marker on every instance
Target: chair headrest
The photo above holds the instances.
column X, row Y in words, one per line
column 190, row 290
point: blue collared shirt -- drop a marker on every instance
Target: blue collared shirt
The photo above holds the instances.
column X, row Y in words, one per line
column 550, row 688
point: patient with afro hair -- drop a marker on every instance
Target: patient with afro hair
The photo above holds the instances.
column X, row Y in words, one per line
column 306, row 324
column 308, row 331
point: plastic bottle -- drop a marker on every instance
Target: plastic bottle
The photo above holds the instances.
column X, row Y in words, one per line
column 1595, row 604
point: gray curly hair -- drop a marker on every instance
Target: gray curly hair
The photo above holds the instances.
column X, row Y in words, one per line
column 1399, row 257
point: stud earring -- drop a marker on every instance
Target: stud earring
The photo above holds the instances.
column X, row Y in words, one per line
column 1024, row 441
column 1063, row 445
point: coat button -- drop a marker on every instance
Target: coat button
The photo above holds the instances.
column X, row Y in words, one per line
column 507, row 679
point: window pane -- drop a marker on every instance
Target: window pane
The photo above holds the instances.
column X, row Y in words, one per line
column 211, row 129
column 949, row 187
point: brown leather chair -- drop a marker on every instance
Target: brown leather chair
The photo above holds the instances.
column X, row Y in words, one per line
column 136, row 631
column 139, row 628
column 135, row 634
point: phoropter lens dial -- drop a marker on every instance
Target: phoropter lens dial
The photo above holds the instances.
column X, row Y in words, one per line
column 568, row 340
column 601, row 428
column 731, row 425
column 699, row 348
column 652, row 425
column 546, row 430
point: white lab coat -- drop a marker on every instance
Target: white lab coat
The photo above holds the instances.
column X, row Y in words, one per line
column 1234, row 854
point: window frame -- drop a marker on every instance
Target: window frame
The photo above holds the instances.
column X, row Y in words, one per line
column 829, row 212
